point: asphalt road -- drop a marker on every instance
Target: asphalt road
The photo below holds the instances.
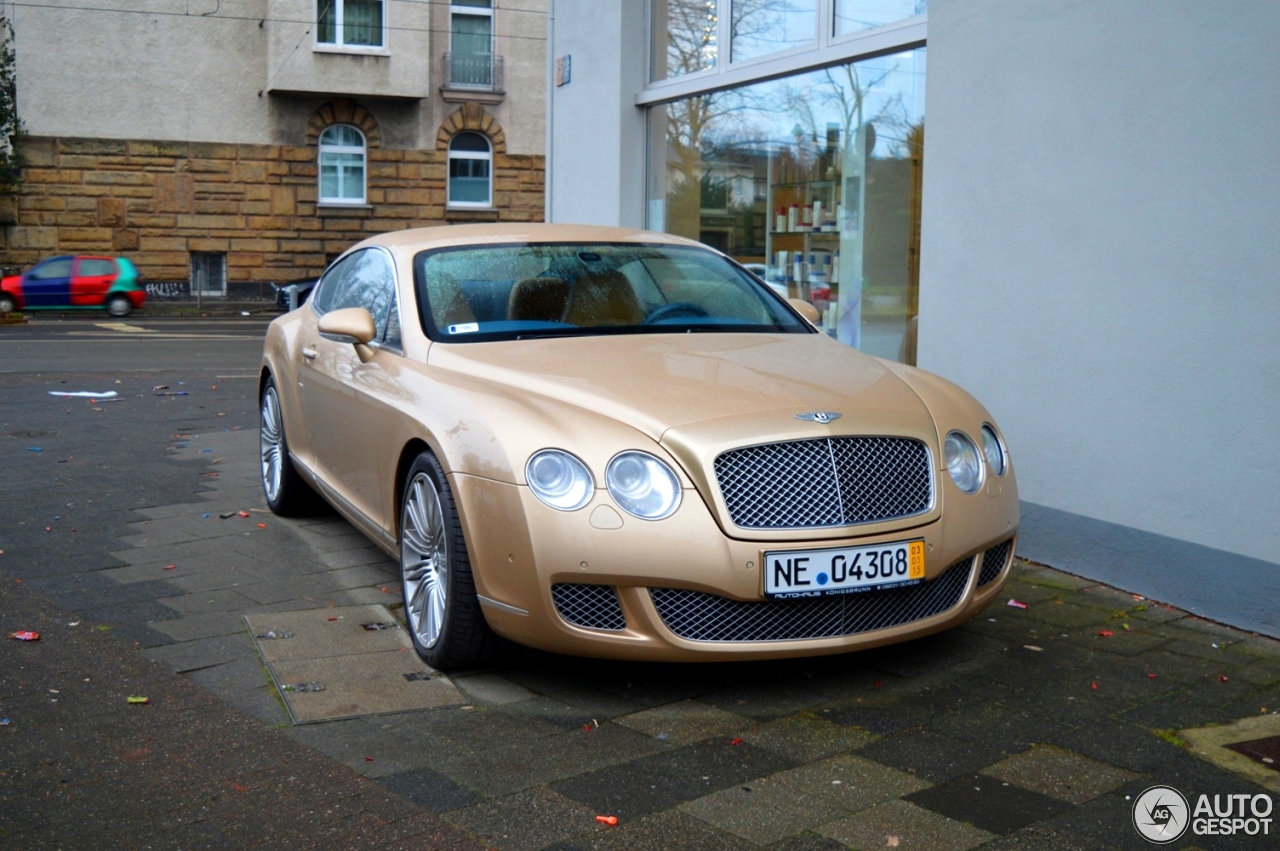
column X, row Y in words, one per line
column 76, row 468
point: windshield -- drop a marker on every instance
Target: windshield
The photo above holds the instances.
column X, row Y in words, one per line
column 517, row 291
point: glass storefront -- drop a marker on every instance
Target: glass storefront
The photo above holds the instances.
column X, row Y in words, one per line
column 812, row 181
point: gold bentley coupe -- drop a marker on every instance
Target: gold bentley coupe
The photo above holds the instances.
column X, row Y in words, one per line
column 618, row 443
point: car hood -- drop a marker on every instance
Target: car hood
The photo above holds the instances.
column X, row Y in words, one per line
column 681, row 387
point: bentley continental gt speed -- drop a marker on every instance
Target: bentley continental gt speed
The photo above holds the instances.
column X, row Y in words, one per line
column 618, row 443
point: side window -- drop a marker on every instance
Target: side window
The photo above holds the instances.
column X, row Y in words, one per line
column 361, row 279
column 95, row 267
column 60, row 268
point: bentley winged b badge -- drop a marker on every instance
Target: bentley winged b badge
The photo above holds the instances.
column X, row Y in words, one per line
column 822, row 417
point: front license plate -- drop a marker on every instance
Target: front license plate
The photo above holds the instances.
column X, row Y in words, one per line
column 847, row 570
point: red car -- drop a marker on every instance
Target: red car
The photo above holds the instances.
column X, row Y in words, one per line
column 82, row 281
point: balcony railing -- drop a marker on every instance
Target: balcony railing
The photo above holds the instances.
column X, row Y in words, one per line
column 478, row 71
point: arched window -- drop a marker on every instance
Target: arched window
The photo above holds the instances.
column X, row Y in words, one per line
column 341, row 165
column 470, row 171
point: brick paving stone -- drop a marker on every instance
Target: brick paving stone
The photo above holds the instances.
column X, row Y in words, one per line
column 659, row 832
column 988, row 803
column 646, row 785
column 850, row 782
column 930, row 755
column 764, row 810
column 513, row 764
column 547, row 710
column 685, row 722
column 806, row 737
column 527, row 820
column 1060, row 774
column 428, row 790
column 910, row 826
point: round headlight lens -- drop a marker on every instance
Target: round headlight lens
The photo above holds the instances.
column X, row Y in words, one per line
column 992, row 449
column 963, row 462
column 642, row 485
column 559, row 479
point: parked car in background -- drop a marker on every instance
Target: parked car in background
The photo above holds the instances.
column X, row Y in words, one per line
column 618, row 443
column 303, row 289
column 75, row 282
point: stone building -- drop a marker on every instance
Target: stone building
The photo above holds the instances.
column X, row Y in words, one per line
column 226, row 145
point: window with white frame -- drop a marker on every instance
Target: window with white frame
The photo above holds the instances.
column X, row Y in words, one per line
column 471, row 43
column 342, row 157
column 470, row 171
column 351, row 23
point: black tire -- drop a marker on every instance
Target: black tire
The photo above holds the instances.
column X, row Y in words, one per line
column 7, row 304
column 119, row 306
column 286, row 492
column 432, row 548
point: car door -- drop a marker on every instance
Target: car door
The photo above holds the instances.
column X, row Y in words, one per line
column 48, row 284
column 343, row 399
column 91, row 277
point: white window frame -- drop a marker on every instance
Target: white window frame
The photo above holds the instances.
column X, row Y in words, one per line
column 487, row 156
column 472, row 12
column 363, row 150
column 339, row 45
column 826, row 50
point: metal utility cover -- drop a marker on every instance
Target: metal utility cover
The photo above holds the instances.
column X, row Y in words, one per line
column 1265, row 751
column 363, row 672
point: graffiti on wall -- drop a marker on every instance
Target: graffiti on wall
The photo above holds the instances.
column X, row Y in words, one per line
column 167, row 289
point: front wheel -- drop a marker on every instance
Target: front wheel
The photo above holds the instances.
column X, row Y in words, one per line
column 440, row 604
column 284, row 489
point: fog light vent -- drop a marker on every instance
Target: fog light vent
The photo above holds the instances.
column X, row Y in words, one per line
column 590, row 606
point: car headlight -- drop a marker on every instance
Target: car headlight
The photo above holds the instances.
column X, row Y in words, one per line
column 559, row 479
column 642, row 485
column 993, row 450
column 963, row 462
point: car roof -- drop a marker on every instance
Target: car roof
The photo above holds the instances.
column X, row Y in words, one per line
column 447, row 236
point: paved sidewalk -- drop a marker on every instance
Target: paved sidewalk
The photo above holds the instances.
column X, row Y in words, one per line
column 1028, row 727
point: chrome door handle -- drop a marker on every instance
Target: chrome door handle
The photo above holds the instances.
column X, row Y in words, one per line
column 309, row 354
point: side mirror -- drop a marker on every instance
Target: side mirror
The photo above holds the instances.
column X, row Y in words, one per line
column 353, row 325
column 807, row 310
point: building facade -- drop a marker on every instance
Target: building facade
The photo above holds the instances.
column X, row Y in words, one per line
column 225, row 145
column 1079, row 239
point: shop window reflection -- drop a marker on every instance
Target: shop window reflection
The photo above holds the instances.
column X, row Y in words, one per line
column 857, row 15
column 761, row 27
column 814, row 180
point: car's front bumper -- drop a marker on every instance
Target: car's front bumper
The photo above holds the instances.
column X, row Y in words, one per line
column 711, row 602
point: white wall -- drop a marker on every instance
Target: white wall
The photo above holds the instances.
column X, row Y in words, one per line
column 1101, row 210
column 596, row 142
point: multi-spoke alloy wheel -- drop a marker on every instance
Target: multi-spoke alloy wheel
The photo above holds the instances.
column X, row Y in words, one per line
column 440, row 602
column 284, row 489
column 424, row 561
column 272, row 444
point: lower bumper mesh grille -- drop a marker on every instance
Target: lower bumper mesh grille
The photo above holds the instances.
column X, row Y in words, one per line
column 993, row 561
column 591, row 606
column 699, row 616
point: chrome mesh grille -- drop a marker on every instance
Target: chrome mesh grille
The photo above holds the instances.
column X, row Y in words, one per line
column 592, row 606
column 698, row 616
column 837, row 481
column 993, row 561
